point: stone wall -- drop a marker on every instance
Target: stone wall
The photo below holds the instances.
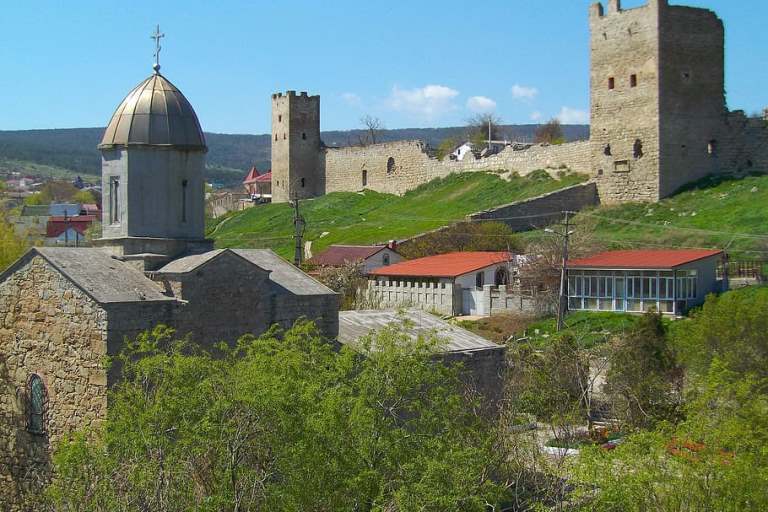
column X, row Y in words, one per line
column 50, row 328
column 441, row 297
column 483, row 372
column 397, row 167
column 542, row 210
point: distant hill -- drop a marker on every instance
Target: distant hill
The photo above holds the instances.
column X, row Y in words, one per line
column 229, row 156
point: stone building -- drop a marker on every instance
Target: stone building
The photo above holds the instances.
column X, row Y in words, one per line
column 659, row 120
column 62, row 310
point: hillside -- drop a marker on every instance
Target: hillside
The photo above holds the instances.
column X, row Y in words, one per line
column 229, row 156
column 713, row 213
column 370, row 217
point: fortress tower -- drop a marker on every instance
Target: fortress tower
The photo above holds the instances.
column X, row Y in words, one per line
column 658, row 107
column 296, row 169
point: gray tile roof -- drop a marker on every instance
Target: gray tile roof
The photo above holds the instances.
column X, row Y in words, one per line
column 355, row 324
column 189, row 263
column 282, row 273
column 102, row 277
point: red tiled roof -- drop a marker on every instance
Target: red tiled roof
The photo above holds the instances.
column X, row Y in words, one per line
column 252, row 175
column 264, row 178
column 337, row 255
column 58, row 225
column 642, row 259
column 453, row 264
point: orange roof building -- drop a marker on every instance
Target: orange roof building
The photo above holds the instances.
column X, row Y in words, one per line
column 667, row 281
column 451, row 284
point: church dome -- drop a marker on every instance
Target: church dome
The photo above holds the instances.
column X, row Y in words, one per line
column 155, row 113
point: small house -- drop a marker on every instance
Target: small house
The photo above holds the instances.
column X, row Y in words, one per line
column 668, row 281
column 450, row 284
column 371, row 256
column 257, row 185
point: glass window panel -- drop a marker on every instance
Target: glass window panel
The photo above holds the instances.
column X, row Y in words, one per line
column 590, row 304
column 665, row 306
column 574, row 303
column 619, row 287
column 634, row 305
column 609, row 287
column 593, row 287
column 606, row 304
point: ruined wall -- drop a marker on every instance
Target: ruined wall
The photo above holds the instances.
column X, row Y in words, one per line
column 624, row 94
column 397, row 167
column 50, row 328
column 543, row 210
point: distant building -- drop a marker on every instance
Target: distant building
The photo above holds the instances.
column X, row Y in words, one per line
column 462, row 151
column 483, row 361
column 258, row 186
column 68, row 231
column 64, row 209
column 371, row 256
column 668, row 281
column 450, row 284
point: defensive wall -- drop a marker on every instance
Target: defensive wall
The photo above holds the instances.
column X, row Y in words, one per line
column 398, row 167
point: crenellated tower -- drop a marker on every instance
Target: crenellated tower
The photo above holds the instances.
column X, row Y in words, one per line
column 296, row 169
column 657, row 98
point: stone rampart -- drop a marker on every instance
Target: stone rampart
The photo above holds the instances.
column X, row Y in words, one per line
column 543, row 210
column 397, row 167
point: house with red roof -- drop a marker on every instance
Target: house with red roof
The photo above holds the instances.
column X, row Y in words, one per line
column 258, row 185
column 451, row 284
column 68, row 231
column 668, row 281
column 371, row 256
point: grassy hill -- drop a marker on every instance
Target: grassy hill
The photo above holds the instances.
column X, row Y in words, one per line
column 717, row 212
column 369, row 217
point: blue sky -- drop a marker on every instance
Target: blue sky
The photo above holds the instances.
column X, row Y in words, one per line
column 422, row 63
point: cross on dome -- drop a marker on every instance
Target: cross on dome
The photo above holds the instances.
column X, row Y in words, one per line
column 157, row 36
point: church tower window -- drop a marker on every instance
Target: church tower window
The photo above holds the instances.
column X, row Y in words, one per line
column 184, row 201
column 37, row 404
column 114, row 200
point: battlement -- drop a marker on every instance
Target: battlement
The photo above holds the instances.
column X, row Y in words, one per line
column 597, row 10
column 292, row 94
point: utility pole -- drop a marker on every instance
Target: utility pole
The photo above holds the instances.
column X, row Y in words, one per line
column 489, row 133
column 298, row 224
column 562, row 303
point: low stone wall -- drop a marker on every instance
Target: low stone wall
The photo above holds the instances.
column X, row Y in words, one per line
column 543, row 210
column 443, row 298
column 397, row 167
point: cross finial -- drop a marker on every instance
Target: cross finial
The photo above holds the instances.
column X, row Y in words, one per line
column 157, row 36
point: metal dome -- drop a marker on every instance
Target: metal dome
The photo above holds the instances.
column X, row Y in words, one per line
column 155, row 113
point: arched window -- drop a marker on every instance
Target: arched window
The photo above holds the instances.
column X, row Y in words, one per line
column 390, row 165
column 479, row 279
column 712, row 148
column 637, row 148
column 385, row 259
column 37, row 405
column 303, row 182
column 607, row 150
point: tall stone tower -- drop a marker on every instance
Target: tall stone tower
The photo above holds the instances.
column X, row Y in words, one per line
column 153, row 155
column 657, row 98
column 296, row 169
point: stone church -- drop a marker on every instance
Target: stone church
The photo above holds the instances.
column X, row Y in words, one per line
column 63, row 309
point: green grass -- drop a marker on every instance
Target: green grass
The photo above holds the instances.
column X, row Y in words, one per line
column 371, row 217
column 590, row 328
column 713, row 213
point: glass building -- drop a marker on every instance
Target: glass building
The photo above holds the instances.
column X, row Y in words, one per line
column 669, row 281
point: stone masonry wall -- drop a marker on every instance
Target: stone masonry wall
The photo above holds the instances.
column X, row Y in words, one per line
column 50, row 328
column 443, row 297
column 397, row 167
column 543, row 210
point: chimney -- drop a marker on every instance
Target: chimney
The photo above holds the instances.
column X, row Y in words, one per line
column 392, row 245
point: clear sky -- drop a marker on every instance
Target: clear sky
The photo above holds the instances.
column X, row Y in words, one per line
column 420, row 63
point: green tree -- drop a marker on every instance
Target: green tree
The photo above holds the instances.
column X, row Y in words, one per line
column 465, row 236
column 282, row 422
column 12, row 246
column 644, row 379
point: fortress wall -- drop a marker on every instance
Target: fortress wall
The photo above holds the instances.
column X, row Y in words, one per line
column 355, row 168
